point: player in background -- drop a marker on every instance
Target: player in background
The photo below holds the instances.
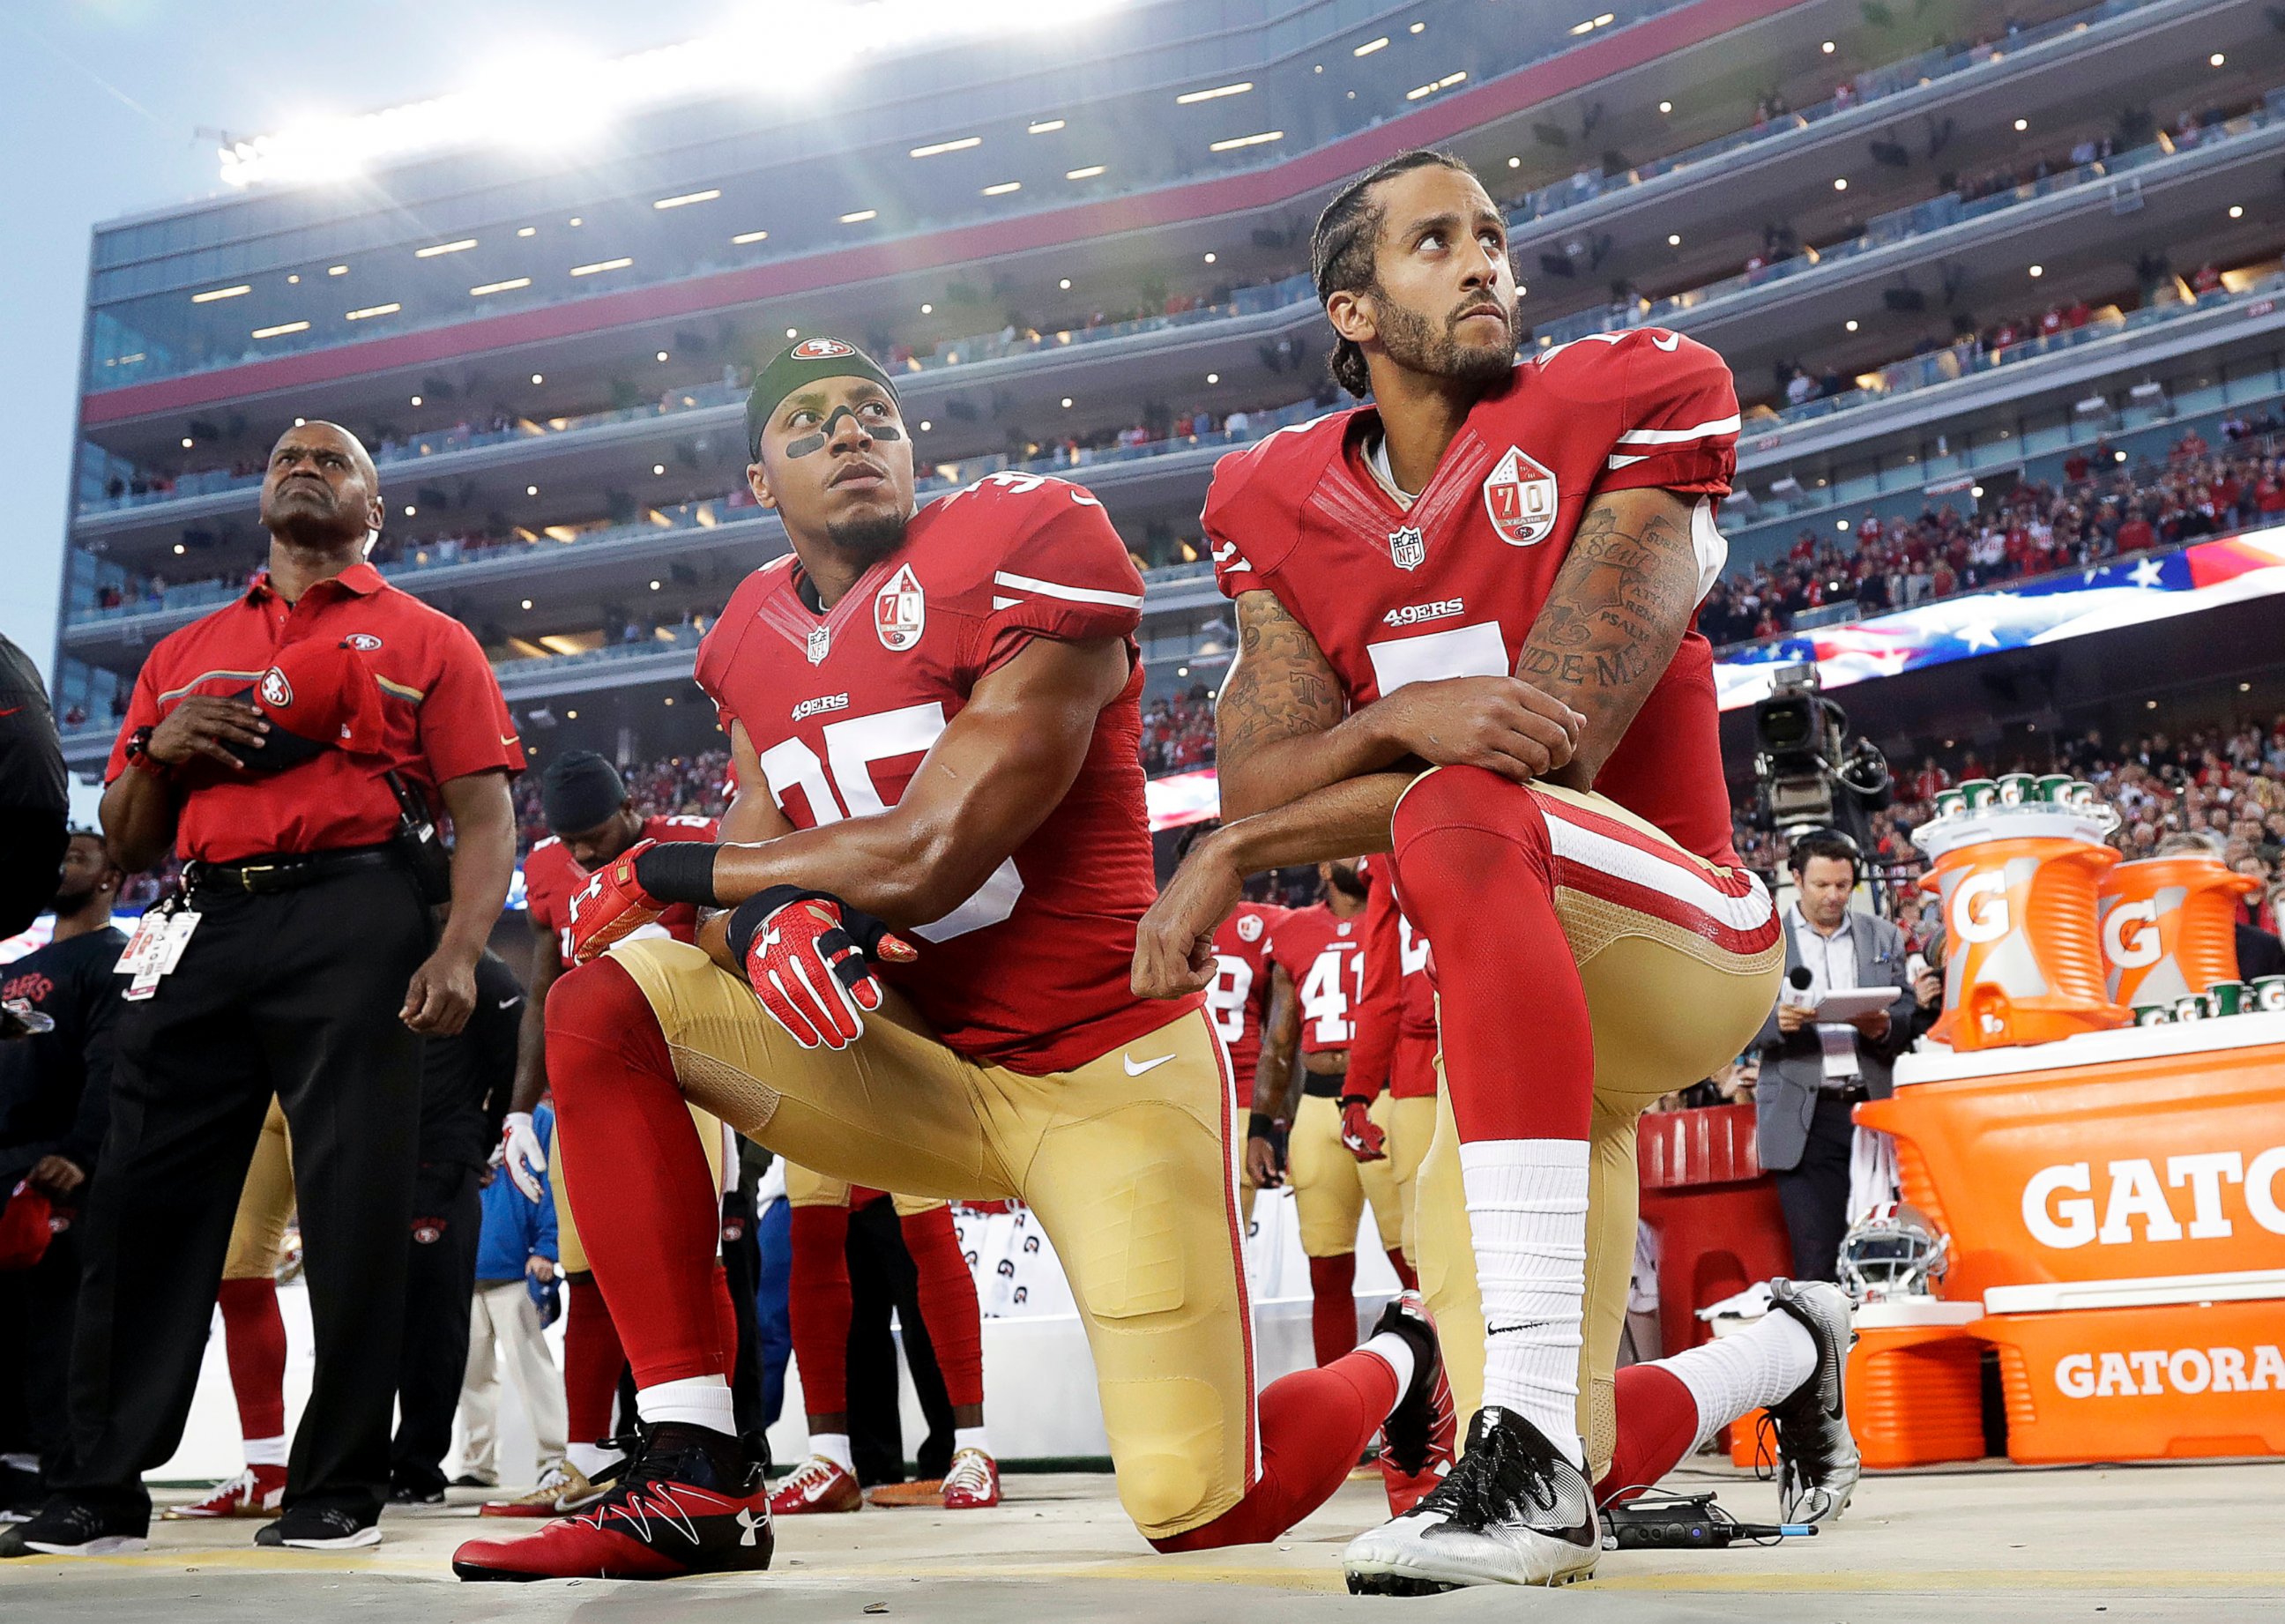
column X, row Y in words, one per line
column 1237, row 1000
column 1466, row 638
column 591, row 819
column 1394, row 1052
column 819, row 1299
column 1335, row 1167
column 934, row 722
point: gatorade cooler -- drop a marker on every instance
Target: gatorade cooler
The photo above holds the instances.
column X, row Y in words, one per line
column 2168, row 927
column 2163, row 1375
column 2018, row 885
column 1915, row 1382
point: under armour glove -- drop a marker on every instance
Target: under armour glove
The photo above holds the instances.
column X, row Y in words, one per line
column 519, row 1153
column 807, row 955
column 1360, row 1134
column 612, row 906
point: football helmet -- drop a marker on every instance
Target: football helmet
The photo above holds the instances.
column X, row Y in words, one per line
column 1891, row 1253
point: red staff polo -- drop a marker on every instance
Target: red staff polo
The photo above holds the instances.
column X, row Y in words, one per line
column 443, row 717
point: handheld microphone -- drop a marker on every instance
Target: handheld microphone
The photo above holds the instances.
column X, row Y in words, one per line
column 1798, row 982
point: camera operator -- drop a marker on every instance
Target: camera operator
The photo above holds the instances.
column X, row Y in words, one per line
column 292, row 746
column 1814, row 1073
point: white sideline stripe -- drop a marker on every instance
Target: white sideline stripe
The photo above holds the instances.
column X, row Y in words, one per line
column 1070, row 594
column 1675, row 437
column 1676, row 876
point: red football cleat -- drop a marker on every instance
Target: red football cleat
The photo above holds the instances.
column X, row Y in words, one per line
column 668, row 1515
column 820, row 1486
column 258, row 1491
column 1418, row 1439
column 973, row 1483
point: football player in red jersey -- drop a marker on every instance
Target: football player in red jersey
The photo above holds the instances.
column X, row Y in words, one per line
column 592, row 819
column 1394, row 1052
column 1466, row 638
column 1237, row 998
column 934, row 722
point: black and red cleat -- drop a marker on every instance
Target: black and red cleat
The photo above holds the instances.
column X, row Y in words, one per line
column 1419, row 1438
column 676, row 1508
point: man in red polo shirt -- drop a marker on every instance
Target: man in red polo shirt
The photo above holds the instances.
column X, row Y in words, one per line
column 268, row 745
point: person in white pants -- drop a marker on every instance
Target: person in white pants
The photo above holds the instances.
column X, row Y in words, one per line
column 516, row 1249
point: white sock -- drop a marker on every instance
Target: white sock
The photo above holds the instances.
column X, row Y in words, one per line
column 1394, row 1352
column 834, row 1446
column 266, row 1451
column 694, row 1401
column 1747, row 1370
column 588, row 1459
column 970, row 1438
column 1527, row 1210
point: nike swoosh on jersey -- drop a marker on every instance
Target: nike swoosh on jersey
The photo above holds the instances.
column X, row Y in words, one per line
column 1669, row 342
column 1149, row 1065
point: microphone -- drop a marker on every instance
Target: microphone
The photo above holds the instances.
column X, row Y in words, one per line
column 1798, row 982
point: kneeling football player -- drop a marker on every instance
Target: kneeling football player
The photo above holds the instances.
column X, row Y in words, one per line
column 1465, row 639
column 924, row 987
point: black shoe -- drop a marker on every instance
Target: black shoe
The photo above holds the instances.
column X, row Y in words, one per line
column 66, row 1527
column 415, row 1494
column 469, row 1479
column 1418, row 1431
column 1512, row 1510
column 320, row 1528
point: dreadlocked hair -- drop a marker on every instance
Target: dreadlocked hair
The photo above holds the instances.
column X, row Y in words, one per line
column 1341, row 249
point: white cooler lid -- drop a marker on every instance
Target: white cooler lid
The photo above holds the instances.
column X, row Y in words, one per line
column 1934, row 1064
column 1916, row 1312
column 2156, row 1291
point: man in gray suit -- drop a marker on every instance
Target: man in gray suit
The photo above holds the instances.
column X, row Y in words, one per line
column 1813, row 1073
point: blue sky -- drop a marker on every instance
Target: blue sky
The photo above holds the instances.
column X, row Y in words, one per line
column 99, row 101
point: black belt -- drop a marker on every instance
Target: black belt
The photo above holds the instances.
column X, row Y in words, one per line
column 1847, row 1093
column 284, row 871
column 1324, row 1085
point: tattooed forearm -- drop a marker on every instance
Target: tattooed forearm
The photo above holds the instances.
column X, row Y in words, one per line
column 1279, row 686
column 1618, row 610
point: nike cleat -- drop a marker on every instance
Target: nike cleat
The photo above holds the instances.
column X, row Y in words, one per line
column 671, row 1512
column 973, row 1482
column 1416, row 1438
column 1513, row 1510
column 258, row 1491
column 1818, row 1461
column 818, row 1485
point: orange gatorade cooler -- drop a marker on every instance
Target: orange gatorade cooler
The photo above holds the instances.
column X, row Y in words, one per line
column 1915, row 1382
column 2146, row 1380
column 2018, row 888
column 2168, row 927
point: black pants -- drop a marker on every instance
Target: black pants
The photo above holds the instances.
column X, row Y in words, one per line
column 296, row 994
column 742, row 1266
column 36, row 1331
column 1815, row 1194
column 440, row 1276
column 882, row 1279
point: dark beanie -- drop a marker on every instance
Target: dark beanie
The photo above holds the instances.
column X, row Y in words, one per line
column 579, row 790
column 797, row 364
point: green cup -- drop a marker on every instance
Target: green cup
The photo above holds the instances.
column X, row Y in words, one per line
column 2268, row 992
column 2055, row 787
column 2018, row 789
column 1981, row 794
column 2153, row 1014
column 2229, row 998
column 1950, row 803
column 2190, row 1007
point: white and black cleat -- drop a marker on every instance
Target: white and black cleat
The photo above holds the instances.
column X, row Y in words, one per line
column 1818, row 1461
column 1512, row 1510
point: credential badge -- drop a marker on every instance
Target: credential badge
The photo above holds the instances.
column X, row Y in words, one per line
column 1408, row 548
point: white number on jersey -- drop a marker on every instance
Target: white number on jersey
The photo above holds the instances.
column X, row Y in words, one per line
column 1412, row 949
column 1326, row 1000
column 853, row 746
column 1479, row 650
column 1227, row 993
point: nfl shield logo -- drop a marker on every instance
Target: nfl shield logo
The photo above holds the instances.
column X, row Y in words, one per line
column 1521, row 499
column 899, row 611
column 1407, row 547
column 820, row 639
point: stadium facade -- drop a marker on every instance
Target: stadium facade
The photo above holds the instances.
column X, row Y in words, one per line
column 1083, row 250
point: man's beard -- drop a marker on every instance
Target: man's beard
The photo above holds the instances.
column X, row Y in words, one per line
column 68, row 900
column 1419, row 344
column 871, row 537
column 1346, row 881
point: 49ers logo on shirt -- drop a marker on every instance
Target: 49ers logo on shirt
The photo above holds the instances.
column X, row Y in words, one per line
column 1521, row 499
column 900, row 611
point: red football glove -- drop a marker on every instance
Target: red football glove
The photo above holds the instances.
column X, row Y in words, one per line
column 1360, row 1134
column 612, row 906
column 805, row 957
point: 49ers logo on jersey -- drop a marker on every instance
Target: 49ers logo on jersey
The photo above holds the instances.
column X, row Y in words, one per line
column 1249, row 927
column 899, row 611
column 1521, row 499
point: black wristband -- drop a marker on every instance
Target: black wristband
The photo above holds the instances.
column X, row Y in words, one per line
column 1260, row 1125
column 862, row 928
column 678, row 870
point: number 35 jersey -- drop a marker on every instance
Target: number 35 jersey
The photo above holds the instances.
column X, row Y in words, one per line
column 1030, row 972
column 1451, row 585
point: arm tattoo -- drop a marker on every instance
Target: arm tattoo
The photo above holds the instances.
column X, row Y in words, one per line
column 1282, row 684
column 1616, row 613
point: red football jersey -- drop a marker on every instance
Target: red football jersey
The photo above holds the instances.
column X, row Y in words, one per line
column 1451, row 586
column 1398, row 1004
column 1239, row 1000
column 1032, row 972
column 552, row 877
column 1325, row 957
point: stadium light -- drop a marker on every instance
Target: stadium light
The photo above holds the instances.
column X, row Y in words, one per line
column 435, row 248
column 620, row 264
column 1003, row 188
column 483, row 289
column 936, row 148
column 371, row 311
column 213, row 294
column 1665, row 106
column 1043, row 127
column 337, row 271
column 416, row 400
column 686, row 199
column 743, row 238
column 1370, row 46
column 1064, row 283
column 858, row 216
column 1851, row 325
column 2021, row 125
column 1189, row 97
column 2237, row 211
column 188, row 442
column 1088, row 173
column 282, row 329
column 527, row 230
column 1235, row 142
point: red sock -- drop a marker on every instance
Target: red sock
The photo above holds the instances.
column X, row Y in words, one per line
column 592, row 1360
column 253, row 1335
column 725, row 1312
column 1405, row 1277
column 948, row 1309
column 817, row 1300
column 1463, row 835
column 1314, row 1426
column 1332, row 1307
column 641, row 1191
column 1658, row 1421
